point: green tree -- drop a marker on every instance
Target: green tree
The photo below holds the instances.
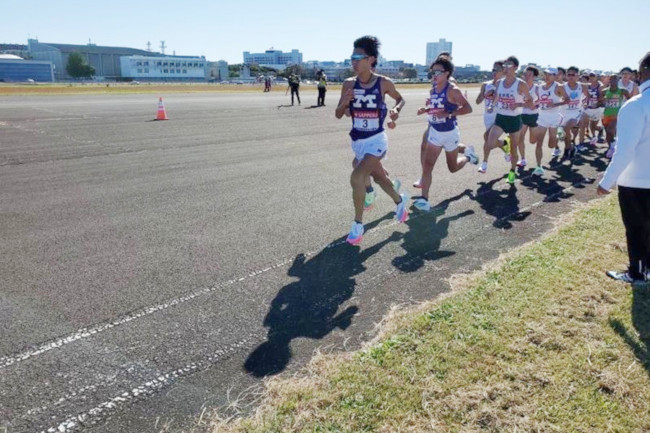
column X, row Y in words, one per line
column 409, row 73
column 77, row 68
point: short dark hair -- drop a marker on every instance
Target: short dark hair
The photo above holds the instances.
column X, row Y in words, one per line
column 561, row 69
column 446, row 65
column 498, row 62
column 370, row 45
column 534, row 69
column 625, row 69
column 514, row 60
column 444, row 53
column 574, row 69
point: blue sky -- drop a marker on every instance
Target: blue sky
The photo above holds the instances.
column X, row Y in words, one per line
column 589, row 34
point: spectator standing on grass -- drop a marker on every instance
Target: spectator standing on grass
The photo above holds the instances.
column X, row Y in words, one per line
column 629, row 169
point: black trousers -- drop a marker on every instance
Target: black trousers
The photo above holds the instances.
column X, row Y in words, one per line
column 321, row 95
column 635, row 208
column 295, row 89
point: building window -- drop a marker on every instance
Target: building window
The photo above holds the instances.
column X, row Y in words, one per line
column 165, row 71
column 185, row 71
column 146, row 70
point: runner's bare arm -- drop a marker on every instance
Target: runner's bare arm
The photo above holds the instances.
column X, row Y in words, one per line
column 347, row 95
column 456, row 97
column 481, row 94
column 389, row 88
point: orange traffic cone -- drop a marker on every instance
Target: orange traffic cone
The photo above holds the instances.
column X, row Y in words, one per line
column 162, row 114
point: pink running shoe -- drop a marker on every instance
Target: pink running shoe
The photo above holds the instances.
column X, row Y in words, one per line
column 356, row 234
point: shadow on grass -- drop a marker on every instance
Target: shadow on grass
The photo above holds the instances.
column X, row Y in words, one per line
column 308, row 307
column 638, row 341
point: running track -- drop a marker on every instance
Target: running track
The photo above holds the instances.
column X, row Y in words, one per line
column 151, row 269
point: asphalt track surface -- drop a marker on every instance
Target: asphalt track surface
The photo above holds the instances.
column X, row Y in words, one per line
column 151, row 269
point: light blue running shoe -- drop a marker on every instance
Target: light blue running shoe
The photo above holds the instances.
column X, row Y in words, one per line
column 422, row 204
column 369, row 201
column 401, row 213
column 356, row 234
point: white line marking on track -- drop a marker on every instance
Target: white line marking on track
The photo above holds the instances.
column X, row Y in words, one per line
column 84, row 333
column 97, row 413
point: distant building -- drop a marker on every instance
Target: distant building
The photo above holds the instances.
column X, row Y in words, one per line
column 217, row 71
column 163, row 68
column 275, row 59
column 435, row 48
column 105, row 60
column 17, row 69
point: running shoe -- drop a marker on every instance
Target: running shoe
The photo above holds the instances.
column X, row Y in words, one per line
column 369, row 202
column 397, row 185
column 539, row 171
column 401, row 213
column 556, row 152
column 471, row 155
column 422, row 204
column 572, row 153
column 506, row 149
column 522, row 163
column 483, row 167
column 610, row 151
column 356, row 234
column 417, row 183
column 506, row 145
column 511, row 177
column 621, row 276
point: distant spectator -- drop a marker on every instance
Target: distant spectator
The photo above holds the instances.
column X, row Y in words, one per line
column 322, row 87
column 629, row 169
column 294, row 86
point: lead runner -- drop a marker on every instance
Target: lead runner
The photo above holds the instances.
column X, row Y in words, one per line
column 363, row 95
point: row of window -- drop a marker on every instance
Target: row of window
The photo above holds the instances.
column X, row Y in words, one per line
column 164, row 71
column 170, row 64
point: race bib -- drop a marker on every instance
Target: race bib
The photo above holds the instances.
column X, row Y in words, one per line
column 366, row 121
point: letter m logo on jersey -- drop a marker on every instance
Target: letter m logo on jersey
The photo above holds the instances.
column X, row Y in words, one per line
column 437, row 102
column 370, row 101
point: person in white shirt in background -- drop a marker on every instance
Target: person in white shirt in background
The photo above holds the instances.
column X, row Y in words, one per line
column 626, row 82
column 630, row 170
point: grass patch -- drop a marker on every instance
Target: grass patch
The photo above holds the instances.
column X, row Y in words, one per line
column 541, row 342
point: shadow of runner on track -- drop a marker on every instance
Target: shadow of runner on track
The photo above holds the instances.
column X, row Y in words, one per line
column 308, row 307
column 503, row 204
column 639, row 338
column 423, row 239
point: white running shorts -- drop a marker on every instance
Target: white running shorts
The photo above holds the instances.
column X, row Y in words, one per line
column 549, row 119
column 595, row 114
column 377, row 145
column 489, row 119
column 447, row 139
column 570, row 115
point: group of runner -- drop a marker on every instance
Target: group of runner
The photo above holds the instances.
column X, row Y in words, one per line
column 567, row 104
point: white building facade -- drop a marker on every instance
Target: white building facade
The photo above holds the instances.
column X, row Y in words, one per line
column 165, row 68
column 435, row 48
column 275, row 59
